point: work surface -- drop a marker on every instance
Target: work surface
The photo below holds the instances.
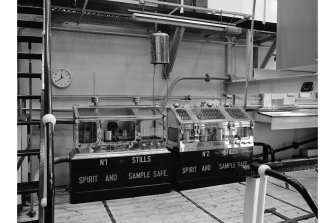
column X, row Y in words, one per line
column 223, row 203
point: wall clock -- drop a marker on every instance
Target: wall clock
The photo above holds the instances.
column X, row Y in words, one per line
column 61, row 78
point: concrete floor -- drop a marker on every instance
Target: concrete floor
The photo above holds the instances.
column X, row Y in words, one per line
column 223, row 203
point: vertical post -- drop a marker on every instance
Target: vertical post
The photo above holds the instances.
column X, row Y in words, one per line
column 262, row 193
column 47, row 56
column 182, row 8
column 49, row 211
column 251, row 200
column 46, row 191
column 249, row 54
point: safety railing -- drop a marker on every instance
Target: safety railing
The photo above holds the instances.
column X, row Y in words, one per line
column 256, row 185
column 48, row 121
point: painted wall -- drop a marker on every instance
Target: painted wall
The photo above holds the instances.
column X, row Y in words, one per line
column 297, row 38
column 122, row 67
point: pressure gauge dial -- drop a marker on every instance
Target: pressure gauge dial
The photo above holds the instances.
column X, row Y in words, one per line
column 61, row 78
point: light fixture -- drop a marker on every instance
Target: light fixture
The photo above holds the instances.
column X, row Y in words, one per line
column 180, row 21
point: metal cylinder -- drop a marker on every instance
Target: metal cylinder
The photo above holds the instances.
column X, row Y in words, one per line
column 220, row 132
column 108, row 136
column 203, row 133
column 160, row 48
column 186, row 136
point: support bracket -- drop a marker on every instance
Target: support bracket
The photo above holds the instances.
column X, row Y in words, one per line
column 174, row 47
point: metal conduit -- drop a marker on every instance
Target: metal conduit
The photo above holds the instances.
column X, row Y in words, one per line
column 207, row 78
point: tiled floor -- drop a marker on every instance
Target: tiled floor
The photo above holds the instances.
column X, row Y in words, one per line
column 223, row 203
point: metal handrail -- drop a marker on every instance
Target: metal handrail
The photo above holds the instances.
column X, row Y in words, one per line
column 294, row 145
column 266, row 150
column 46, row 178
column 255, row 193
column 291, row 181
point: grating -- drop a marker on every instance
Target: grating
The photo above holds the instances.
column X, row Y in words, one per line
column 183, row 114
column 208, row 113
column 236, row 113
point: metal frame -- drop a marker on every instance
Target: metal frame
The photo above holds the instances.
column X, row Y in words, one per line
column 174, row 48
column 268, row 54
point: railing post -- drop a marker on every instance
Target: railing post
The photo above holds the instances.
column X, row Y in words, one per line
column 48, row 197
column 46, row 172
column 251, row 200
column 262, row 193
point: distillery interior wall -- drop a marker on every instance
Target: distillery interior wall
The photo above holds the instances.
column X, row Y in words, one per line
column 121, row 66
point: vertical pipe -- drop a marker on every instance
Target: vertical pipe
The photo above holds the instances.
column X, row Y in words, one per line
column 182, row 8
column 249, row 56
column 250, row 200
column 19, row 102
column 262, row 193
column 49, row 212
column 264, row 12
column 47, row 56
column 29, row 135
column 46, row 209
column 261, row 199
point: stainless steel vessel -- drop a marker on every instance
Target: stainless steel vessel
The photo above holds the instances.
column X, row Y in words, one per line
column 193, row 128
column 160, row 48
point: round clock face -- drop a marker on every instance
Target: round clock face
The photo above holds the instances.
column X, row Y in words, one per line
column 61, row 78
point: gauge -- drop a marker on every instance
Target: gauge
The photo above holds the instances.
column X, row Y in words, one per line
column 61, row 78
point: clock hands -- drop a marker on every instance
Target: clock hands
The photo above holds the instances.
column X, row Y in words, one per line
column 61, row 77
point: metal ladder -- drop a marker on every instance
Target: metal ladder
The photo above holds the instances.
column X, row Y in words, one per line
column 44, row 186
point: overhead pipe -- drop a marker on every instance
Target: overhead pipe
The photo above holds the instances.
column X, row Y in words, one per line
column 207, row 78
column 76, row 30
column 184, row 22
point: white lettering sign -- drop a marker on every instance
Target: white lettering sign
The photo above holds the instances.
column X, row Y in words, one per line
column 88, row 179
column 141, row 159
column 139, row 175
column 189, row 169
column 110, row 178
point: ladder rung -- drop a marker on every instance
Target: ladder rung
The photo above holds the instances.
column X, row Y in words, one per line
column 30, row 39
column 27, row 188
column 32, row 221
column 29, row 97
column 28, row 122
column 32, row 56
column 28, row 152
column 38, row 3
column 29, row 75
column 29, row 10
column 65, row 122
column 29, row 24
